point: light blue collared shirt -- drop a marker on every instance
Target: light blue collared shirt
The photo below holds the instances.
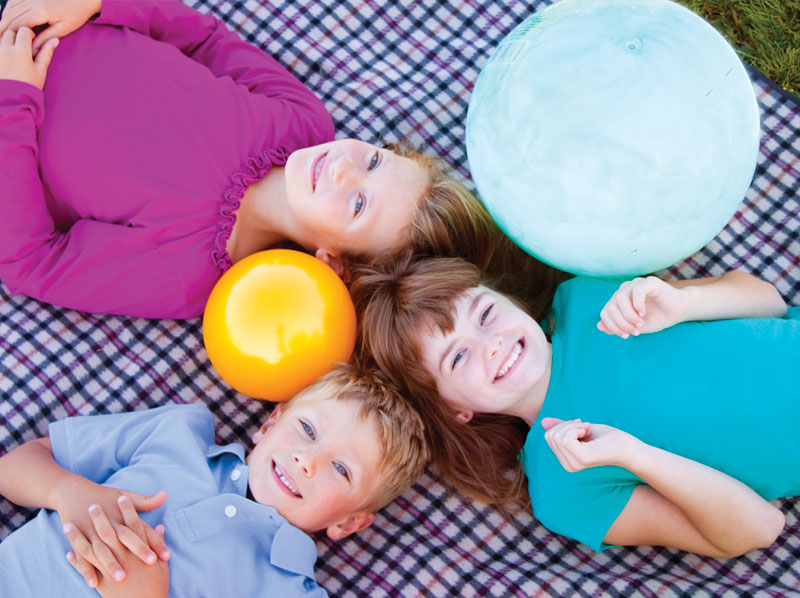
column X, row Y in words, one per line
column 222, row 543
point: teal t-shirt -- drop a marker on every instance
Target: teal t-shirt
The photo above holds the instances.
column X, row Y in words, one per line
column 724, row 393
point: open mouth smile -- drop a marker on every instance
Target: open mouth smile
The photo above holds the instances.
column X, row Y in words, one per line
column 511, row 360
column 316, row 170
column 284, row 481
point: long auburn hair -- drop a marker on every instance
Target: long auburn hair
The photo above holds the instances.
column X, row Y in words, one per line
column 450, row 221
column 395, row 301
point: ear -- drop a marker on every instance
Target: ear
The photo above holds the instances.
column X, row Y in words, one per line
column 463, row 417
column 334, row 260
column 273, row 417
column 350, row 525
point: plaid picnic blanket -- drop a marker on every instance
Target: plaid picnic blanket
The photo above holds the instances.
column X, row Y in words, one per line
column 390, row 69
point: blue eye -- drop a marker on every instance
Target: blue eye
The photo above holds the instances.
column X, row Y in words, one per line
column 341, row 469
column 457, row 358
column 359, row 204
column 485, row 313
column 308, row 430
column 374, row 162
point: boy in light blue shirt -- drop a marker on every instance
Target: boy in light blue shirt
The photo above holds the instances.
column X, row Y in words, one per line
column 328, row 460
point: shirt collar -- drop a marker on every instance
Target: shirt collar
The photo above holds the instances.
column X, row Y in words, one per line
column 293, row 549
column 234, row 448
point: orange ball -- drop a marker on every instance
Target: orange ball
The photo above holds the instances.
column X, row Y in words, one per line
column 276, row 321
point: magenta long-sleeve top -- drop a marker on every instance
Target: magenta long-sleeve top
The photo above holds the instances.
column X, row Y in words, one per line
column 119, row 183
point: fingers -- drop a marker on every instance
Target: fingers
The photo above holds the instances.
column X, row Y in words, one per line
column 13, row 15
column 7, row 39
column 145, row 503
column 135, row 535
column 564, row 440
column 155, row 537
column 84, row 559
column 52, row 32
column 84, row 568
column 549, row 422
column 45, row 55
column 102, row 550
column 624, row 313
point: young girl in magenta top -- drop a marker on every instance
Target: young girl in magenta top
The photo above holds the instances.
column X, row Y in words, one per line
column 157, row 148
column 660, row 413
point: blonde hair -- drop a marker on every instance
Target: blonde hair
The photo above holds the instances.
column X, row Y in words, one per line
column 395, row 302
column 450, row 221
column 404, row 452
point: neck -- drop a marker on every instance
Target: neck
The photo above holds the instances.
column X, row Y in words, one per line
column 530, row 405
column 262, row 219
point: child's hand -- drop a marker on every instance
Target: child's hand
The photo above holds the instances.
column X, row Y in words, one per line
column 642, row 305
column 62, row 16
column 579, row 445
column 17, row 62
column 89, row 557
column 121, row 506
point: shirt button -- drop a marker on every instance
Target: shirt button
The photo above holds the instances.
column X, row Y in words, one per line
column 230, row 511
column 236, row 474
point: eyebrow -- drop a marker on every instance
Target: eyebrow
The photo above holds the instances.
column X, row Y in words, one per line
column 473, row 304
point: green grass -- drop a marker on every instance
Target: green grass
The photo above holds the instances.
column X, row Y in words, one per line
column 765, row 33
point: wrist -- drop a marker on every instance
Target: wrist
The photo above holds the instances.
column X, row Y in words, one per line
column 66, row 489
column 634, row 454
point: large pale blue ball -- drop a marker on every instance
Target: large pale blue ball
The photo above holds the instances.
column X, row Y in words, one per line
column 613, row 137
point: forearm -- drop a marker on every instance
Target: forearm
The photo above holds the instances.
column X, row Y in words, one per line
column 30, row 476
column 733, row 295
column 727, row 513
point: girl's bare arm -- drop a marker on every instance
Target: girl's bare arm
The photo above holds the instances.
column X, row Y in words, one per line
column 684, row 505
column 650, row 304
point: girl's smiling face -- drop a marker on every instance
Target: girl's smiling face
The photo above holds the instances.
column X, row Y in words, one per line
column 495, row 360
column 348, row 196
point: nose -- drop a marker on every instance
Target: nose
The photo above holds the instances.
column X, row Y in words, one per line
column 306, row 461
column 343, row 171
column 493, row 346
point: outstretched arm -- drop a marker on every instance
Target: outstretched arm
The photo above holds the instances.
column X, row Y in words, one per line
column 651, row 304
column 684, row 505
column 30, row 477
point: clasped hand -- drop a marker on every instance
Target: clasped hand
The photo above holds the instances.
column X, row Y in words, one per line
column 25, row 56
column 145, row 577
column 579, row 445
column 62, row 17
column 642, row 305
column 109, row 535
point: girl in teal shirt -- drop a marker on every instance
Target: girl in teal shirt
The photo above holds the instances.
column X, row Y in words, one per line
column 660, row 412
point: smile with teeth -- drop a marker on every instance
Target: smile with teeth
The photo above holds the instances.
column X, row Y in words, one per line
column 317, row 170
column 512, row 359
column 284, row 479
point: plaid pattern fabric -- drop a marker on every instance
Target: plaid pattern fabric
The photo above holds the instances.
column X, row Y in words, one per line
column 391, row 69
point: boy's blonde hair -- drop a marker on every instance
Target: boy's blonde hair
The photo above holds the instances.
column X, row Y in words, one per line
column 404, row 451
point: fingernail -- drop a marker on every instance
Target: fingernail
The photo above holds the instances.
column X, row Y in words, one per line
column 68, row 527
column 121, row 500
column 165, row 555
column 150, row 559
column 118, row 575
column 94, row 508
column 92, row 583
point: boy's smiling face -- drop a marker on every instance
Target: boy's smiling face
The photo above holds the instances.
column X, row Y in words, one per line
column 317, row 464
